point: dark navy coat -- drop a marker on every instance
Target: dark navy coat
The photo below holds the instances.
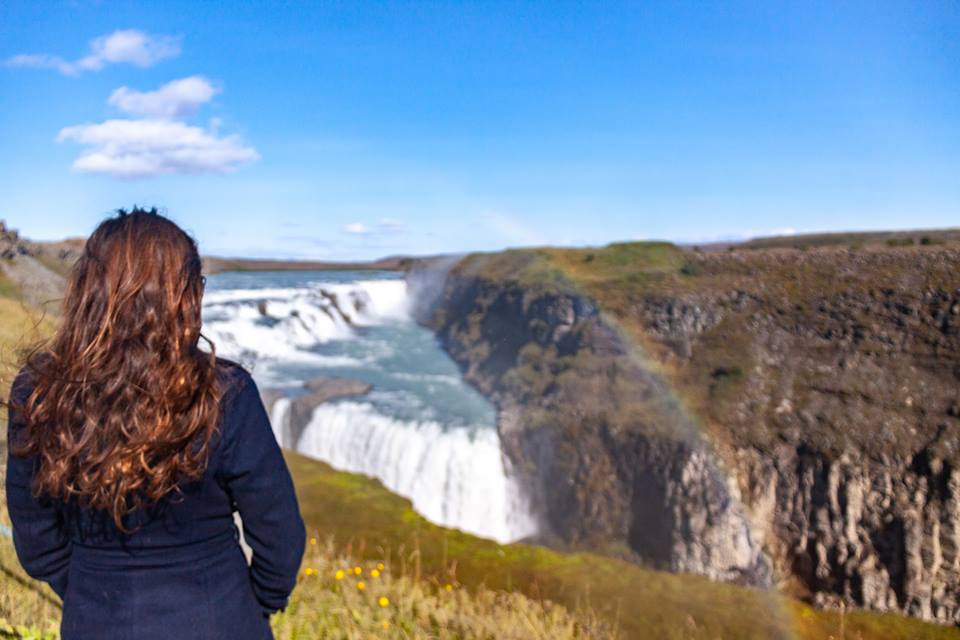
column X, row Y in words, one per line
column 182, row 574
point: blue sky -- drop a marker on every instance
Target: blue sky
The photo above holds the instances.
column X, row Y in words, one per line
column 357, row 130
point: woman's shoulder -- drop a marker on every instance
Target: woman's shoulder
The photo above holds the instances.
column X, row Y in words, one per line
column 241, row 404
column 27, row 376
column 23, row 383
column 230, row 368
column 235, row 379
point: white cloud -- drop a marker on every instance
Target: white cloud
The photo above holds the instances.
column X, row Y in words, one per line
column 762, row 233
column 127, row 46
column 176, row 99
column 356, row 228
column 384, row 226
column 149, row 147
column 736, row 236
column 40, row 61
column 158, row 143
column 786, row 231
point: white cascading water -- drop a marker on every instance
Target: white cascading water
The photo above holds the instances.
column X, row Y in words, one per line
column 299, row 318
column 455, row 476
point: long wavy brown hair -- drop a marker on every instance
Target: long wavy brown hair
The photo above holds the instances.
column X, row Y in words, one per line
column 124, row 404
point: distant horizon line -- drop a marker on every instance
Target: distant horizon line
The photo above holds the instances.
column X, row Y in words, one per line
column 712, row 243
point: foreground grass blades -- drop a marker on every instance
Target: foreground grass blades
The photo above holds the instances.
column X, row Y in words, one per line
column 338, row 598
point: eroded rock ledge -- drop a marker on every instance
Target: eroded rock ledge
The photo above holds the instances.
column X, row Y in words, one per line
column 300, row 410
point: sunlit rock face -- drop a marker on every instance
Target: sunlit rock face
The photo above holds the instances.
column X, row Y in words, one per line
column 882, row 535
column 785, row 418
column 612, row 460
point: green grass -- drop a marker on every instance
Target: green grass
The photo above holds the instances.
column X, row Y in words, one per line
column 855, row 239
column 339, row 597
column 21, row 326
column 543, row 269
column 55, row 264
column 386, row 599
column 7, row 288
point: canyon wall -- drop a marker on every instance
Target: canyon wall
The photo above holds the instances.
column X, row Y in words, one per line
column 764, row 417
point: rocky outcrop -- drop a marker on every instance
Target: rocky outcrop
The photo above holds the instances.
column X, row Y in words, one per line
column 569, row 391
column 299, row 410
column 11, row 245
column 842, row 426
column 883, row 535
column 35, row 270
column 797, row 423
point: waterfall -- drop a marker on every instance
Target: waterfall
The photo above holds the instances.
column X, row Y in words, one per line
column 452, row 470
column 283, row 323
column 454, row 477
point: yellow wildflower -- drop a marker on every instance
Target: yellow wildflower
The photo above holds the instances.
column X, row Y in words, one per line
column 361, row 585
column 375, row 574
column 448, row 587
column 384, row 601
column 313, row 541
column 385, row 624
column 380, row 566
column 339, row 574
column 357, row 570
column 308, row 571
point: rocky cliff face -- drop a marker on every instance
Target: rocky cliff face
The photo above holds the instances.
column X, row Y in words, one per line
column 769, row 416
column 561, row 377
column 843, row 430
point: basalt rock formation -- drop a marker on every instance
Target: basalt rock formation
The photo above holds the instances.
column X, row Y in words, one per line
column 299, row 411
column 777, row 415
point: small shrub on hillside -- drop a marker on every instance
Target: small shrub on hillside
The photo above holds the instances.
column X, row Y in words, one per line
column 900, row 242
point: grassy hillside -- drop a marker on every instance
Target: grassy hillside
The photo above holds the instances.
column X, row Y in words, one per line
column 339, row 596
column 924, row 237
